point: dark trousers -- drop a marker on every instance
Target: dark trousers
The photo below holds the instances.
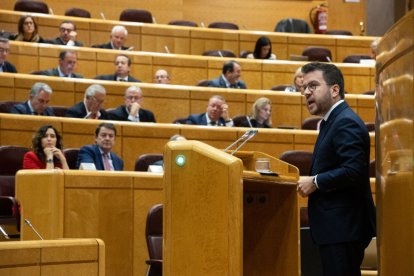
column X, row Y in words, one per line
column 342, row 259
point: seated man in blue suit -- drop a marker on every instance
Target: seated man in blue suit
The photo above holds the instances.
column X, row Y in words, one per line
column 230, row 77
column 101, row 153
column 66, row 66
column 38, row 103
column 5, row 66
column 132, row 110
column 67, row 36
column 122, row 69
column 117, row 40
column 217, row 114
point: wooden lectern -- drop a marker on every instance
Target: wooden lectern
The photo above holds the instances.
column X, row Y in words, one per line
column 221, row 217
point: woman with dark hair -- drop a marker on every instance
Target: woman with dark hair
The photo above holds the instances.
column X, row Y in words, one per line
column 47, row 150
column 261, row 114
column 263, row 49
column 27, row 28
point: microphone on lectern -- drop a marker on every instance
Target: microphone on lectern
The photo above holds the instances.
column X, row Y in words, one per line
column 31, row 227
column 244, row 136
column 6, row 236
column 253, row 133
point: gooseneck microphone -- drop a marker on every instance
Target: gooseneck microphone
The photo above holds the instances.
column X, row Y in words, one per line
column 244, row 136
column 250, row 136
column 6, row 236
column 31, row 227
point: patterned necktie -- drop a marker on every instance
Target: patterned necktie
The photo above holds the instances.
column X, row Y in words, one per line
column 107, row 165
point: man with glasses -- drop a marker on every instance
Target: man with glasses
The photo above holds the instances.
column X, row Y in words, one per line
column 67, row 35
column 122, row 69
column 340, row 206
column 217, row 114
column 66, row 67
column 162, row 77
column 92, row 105
column 38, row 103
column 132, row 110
column 5, row 66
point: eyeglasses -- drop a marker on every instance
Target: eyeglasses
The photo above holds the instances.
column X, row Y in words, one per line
column 65, row 30
column 28, row 23
column 4, row 50
column 312, row 86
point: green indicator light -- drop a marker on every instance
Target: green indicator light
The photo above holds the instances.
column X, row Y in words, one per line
column 180, row 160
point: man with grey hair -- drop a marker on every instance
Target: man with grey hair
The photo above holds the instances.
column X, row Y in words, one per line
column 117, row 38
column 217, row 114
column 132, row 110
column 91, row 106
column 5, row 66
column 38, row 103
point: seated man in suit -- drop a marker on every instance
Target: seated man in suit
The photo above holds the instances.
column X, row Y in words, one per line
column 91, row 106
column 101, row 153
column 67, row 36
column 38, row 103
column 122, row 69
column 5, row 66
column 132, row 110
column 66, row 67
column 216, row 115
column 117, row 39
column 230, row 77
column 162, row 77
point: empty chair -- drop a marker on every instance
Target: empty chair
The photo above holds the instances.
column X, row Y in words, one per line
column 301, row 159
column 223, row 25
column 11, row 160
column 10, row 212
column 31, row 6
column 370, row 127
column 6, row 106
column 372, row 168
column 219, row 53
column 77, row 12
column 318, row 54
column 144, row 160
column 183, row 23
column 134, row 15
column 281, row 87
column 338, row 32
column 239, row 120
column 370, row 92
column 292, row 25
column 355, row 58
column 71, row 155
column 311, row 123
column 59, row 111
column 153, row 234
column 203, row 83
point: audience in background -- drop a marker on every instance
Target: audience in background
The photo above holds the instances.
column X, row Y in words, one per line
column 230, row 77
column 176, row 137
column 261, row 116
column 132, row 110
column 91, row 106
column 297, row 82
column 38, row 102
column 66, row 66
column 67, row 35
column 374, row 46
column 27, row 30
column 101, row 153
column 47, row 150
column 5, row 66
column 117, row 40
column 217, row 114
column 122, row 69
column 263, row 49
column 162, row 77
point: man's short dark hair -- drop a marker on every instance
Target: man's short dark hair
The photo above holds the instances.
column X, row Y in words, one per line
column 62, row 54
column 122, row 55
column 331, row 74
column 105, row 125
column 68, row 22
column 228, row 66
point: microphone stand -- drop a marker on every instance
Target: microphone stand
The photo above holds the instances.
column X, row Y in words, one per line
column 244, row 136
column 31, row 227
column 6, row 236
column 252, row 134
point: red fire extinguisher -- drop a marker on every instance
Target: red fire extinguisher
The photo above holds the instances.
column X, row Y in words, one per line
column 319, row 18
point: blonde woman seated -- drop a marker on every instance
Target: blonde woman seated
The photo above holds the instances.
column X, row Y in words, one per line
column 261, row 114
column 297, row 82
column 47, row 150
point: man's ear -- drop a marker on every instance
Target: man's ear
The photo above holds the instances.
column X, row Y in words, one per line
column 335, row 90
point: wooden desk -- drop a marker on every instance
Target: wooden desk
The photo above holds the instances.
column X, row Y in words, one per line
column 190, row 40
column 53, row 257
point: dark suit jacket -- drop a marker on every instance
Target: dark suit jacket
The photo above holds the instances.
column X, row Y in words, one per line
column 342, row 209
column 107, row 46
column 91, row 154
column 219, row 82
column 8, row 67
column 79, row 111
column 113, row 78
column 200, row 119
column 59, row 41
column 23, row 108
column 120, row 114
column 55, row 73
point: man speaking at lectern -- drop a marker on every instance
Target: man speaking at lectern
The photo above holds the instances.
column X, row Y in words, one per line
column 340, row 207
